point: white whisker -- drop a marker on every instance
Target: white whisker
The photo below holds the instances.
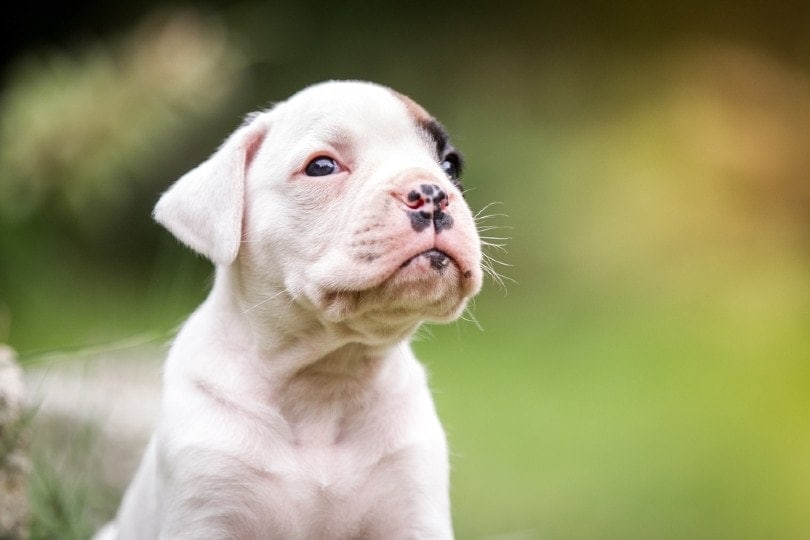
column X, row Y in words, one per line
column 492, row 243
column 469, row 317
column 492, row 259
column 480, row 217
column 484, row 209
column 496, row 247
column 263, row 302
column 487, row 228
column 423, row 333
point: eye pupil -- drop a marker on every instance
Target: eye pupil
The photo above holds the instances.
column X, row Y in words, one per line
column 451, row 168
column 321, row 166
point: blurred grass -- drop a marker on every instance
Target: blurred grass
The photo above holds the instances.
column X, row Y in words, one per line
column 646, row 377
column 60, row 303
column 623, row 423
column 67, row 500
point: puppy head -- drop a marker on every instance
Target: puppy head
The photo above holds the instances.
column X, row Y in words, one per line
column 347, row 197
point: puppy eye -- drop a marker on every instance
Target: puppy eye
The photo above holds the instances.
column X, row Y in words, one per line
column 322, row 166
column 451, row 165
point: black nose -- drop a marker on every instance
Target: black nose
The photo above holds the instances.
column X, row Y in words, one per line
column 428, row 203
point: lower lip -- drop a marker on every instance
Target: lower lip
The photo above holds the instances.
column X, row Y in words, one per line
column 439, row 260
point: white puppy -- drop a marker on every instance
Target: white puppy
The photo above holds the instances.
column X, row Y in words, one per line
column 293, row 406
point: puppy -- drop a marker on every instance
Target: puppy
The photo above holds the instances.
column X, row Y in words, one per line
column 293, row 407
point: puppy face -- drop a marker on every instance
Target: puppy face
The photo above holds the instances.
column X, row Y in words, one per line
column 348, row 201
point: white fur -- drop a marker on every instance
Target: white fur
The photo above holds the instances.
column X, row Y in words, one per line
column 293, row 407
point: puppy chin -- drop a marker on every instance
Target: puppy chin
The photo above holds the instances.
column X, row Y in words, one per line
column 429, row 286
column 430, row 283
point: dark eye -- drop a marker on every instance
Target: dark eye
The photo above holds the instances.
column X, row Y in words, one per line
column 452, row 166
column 322, row 166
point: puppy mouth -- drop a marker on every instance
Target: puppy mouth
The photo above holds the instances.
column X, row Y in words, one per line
column 437, row 259
column 428, row 284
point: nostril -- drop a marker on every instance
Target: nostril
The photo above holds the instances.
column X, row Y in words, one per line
column 441, row 200
column 414, row 199
column 424, row 195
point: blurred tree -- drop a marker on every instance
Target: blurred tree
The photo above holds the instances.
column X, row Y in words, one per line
column 86, row 135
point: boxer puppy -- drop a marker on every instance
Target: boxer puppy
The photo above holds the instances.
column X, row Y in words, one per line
column 293, row 406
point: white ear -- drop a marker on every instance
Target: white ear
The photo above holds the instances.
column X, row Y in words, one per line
column 204, row 208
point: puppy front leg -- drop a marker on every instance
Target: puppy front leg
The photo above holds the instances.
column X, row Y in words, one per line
column 139, row 515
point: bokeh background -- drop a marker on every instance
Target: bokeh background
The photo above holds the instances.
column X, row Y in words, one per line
column 644, row 370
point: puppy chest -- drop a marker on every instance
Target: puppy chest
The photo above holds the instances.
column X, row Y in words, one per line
column 330, row 495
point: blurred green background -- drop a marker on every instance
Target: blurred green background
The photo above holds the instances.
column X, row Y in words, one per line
column 645, row 371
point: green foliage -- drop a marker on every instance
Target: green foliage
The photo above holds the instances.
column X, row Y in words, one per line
column 68, row 502
column 82, row 131
column 58, row 506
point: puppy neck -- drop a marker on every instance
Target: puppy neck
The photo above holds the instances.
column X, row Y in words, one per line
column 284, row 331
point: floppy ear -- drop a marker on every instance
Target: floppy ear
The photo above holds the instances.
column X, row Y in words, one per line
column 204, row 208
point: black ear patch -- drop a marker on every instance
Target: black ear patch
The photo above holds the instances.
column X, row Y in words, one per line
column 437, row 134
column 449, row 158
